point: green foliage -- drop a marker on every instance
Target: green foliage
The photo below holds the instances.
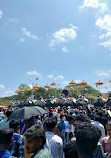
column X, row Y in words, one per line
column 75, row 90
column 23, row 86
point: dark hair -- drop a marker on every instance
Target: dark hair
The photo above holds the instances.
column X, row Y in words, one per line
column 50, row 123
column 70, row 117
column 97, row 118
column 6, row 135
column 82, row 118
column 36, row 132
column 62, row 115
column 14, row 124
column 87, row 137
column 70, row 150
column 8, row 113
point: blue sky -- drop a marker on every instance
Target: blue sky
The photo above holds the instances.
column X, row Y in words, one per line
column 54, row 40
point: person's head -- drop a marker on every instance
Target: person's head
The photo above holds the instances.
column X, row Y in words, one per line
column 15, row 125
column 109, row 128
column 35, row 138
column 81, row 118
column 6, row 138
column 62, row 117
column 8, row 113
column 29, row 122
column 70, row 119
column 87, row 137
column 97, row 118
column 50, row 124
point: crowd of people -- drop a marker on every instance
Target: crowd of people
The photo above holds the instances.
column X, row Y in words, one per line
column 63, row 132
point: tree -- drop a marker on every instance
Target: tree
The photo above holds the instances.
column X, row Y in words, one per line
column 23, row 86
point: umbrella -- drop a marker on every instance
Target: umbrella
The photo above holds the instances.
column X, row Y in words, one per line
column 60, row 102
column 99, row 83
column 27, row 112
column 72, row 82
column 27, row 89
column 21, row 90
column 47, row 86
column 83, row 83
column 53, row 84
column 17, row 91
column 36, row 87
column 68, row 103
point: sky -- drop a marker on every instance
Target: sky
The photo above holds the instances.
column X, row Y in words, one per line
column 54, row 41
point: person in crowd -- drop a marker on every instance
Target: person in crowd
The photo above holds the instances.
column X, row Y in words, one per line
column 25, row 124
column 80, row 117
column 35, row 141
column 106, row 141
column 17, row 147
column 2, row 116
column 69, row 127
column 97, row 123
column 62, row 127
column 53, row 142
column 6, row 139
column 5, row 122
column 58, row 114
column 87, row 137
column 70, row 147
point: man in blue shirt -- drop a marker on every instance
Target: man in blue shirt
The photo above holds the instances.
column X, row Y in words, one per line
column 6, row 139
column 62, row 127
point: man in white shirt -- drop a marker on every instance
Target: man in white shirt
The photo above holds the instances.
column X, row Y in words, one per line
column 53, row 142
column 99, row 125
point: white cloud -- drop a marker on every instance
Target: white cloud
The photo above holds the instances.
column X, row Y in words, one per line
column 94, row 4
column 64, row 49
column 63, row 35
column 33, row 73
column 8, row 92
column 50, row 76
column 2, row 87
column 22, row 40
column 101, row 73
column 65, row 82
column 59, row 77
column 106, row 44
column 105, row 36
column 1, row 13
column 5, row 92
column 104, row 23
column 29, row 34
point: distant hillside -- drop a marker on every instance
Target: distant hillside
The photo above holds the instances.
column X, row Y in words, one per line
column 86, row 90
column 75, row 90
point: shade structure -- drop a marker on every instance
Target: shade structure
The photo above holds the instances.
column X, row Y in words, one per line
column 83, row 83
column 47, row 86
column 17, row 91
column 53, row 84
column 21, row 90
column 36, row 87
column 99, row 83
column 72, row 82
column 27, row 112
column 28, row 89
column 109, row 80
